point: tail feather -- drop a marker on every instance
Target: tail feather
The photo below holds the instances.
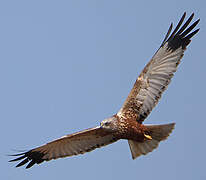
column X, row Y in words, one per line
column 157, row 132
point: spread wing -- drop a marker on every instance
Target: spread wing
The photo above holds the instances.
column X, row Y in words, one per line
column 69, row 145
column 157, row 74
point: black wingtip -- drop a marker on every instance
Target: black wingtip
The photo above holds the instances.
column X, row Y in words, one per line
column 17, row 159
column 185, row 25
column 30, row 164
column 22, row 162
column 192, row 34
column 33, row 157
column 181, row 36
column 167, row 35
column 176, row 28
column 184, row 15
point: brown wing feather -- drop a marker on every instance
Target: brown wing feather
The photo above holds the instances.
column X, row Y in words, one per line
column 69, row 145
column 157, row 74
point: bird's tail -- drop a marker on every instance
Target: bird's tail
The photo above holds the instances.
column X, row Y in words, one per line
column 157, row 133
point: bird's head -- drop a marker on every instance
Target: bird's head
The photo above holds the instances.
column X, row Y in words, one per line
column 109, row 124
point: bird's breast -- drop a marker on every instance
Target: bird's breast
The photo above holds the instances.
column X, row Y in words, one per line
column 130, row 129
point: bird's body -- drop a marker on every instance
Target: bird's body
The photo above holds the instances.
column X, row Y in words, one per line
column 124, row 128
column 127, row 123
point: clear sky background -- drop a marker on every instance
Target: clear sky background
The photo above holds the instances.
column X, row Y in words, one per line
column 67, row 65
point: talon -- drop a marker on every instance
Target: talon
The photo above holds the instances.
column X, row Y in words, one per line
column 148, row 136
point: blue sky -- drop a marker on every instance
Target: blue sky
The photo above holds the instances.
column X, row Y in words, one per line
column 67, row 65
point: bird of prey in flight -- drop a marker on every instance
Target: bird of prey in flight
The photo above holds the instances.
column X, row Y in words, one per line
column 127, row 123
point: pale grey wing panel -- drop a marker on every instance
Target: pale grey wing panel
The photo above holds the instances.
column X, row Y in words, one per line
column 151, row 83
column 78, row 143
column 74, row 144
column 157, row 78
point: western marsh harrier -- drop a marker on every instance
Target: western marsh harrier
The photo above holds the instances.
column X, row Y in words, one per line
column 127, row 123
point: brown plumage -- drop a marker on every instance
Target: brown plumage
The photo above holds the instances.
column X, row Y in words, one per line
column 127, row 123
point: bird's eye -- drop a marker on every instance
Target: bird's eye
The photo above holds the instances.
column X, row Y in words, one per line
column 106, row 123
